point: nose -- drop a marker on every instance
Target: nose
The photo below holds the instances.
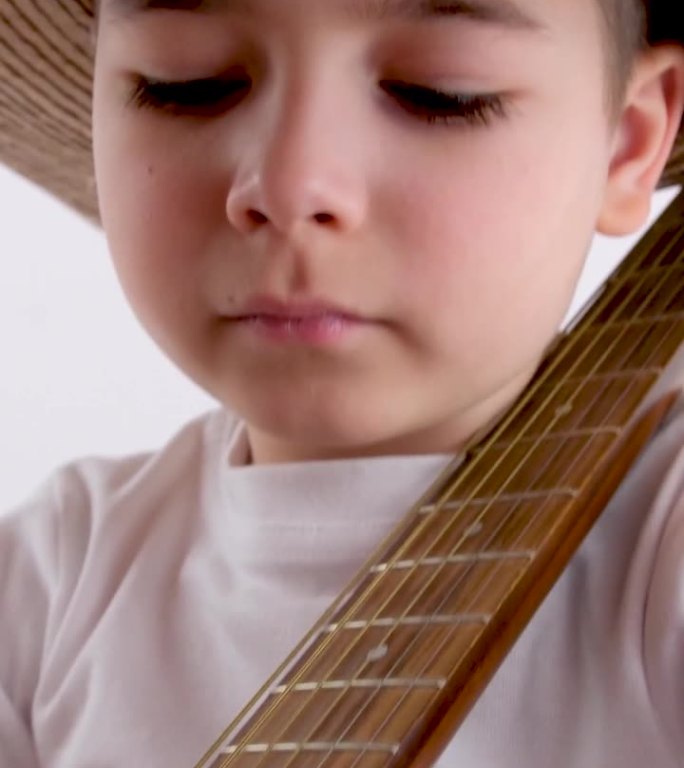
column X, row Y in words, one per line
column 299, row 167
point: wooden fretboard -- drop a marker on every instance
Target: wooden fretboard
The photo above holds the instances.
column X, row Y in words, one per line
column 390, row 671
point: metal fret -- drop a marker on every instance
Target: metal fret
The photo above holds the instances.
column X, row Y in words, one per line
column 605, row 377
column 565, row 434
column 543, row 465
column 664, row 249
column 575, row 408
column 645, row 272
column 622, row 325
column 450, row 590
column 465, row 559
column 406, row 621
column 512, row 498
column 307, row 760
column 374, row 683
column 657, row 342
column 314, row 746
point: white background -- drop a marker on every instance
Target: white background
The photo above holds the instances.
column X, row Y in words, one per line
column 79, row 376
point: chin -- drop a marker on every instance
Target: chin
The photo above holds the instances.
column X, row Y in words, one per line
column 328, row 433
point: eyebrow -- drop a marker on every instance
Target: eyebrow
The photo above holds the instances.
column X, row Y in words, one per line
column 499, row 13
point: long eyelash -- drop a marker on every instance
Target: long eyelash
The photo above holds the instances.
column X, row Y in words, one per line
column 438, row 107
column 431, row 106
column 183, row 96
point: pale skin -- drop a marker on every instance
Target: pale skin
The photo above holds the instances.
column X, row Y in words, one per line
column 457, row 246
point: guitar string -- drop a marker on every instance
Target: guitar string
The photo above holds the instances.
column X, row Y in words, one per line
column 392, row 673
column 245, row 719
column 325, row 713
column 468, row 609
column 605, row 301
column 644, row 303
column 395, row 671
column 482, row 587
column 419, row 599
column 391, row 634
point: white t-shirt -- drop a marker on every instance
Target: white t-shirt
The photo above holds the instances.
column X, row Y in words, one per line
column 145, row 599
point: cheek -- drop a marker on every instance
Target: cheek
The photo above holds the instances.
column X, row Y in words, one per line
column 157, row 212
column 150, row 196
column 495, row 262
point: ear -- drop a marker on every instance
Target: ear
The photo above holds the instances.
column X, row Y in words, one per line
column 643, row 139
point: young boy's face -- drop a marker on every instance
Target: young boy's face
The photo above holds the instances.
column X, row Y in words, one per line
column 312, row 175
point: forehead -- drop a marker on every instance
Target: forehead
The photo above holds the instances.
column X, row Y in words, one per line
column 503, row 13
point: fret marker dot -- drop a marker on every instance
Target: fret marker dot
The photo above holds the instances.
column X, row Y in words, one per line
column 376, row 654
column 564, row 410
column 474, row 530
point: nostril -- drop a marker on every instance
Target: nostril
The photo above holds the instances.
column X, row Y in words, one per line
column 256, row 217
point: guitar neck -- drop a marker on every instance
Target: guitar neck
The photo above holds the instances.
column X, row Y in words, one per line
column 394, row 666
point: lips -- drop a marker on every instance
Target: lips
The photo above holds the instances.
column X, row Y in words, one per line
column 269, row 307
column 314, row 323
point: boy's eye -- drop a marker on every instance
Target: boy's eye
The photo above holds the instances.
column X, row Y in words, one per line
column 438, row 107
column 212, row 96
column 191, row 97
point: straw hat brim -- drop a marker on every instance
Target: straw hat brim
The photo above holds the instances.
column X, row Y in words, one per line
column 46, row 67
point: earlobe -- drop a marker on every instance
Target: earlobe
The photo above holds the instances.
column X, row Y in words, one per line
column 644, row 136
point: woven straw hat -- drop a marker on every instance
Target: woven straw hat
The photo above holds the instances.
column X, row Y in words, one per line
column 45, row 94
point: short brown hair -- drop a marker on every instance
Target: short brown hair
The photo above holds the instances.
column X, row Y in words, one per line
column 626, row 27
column 633, row 25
